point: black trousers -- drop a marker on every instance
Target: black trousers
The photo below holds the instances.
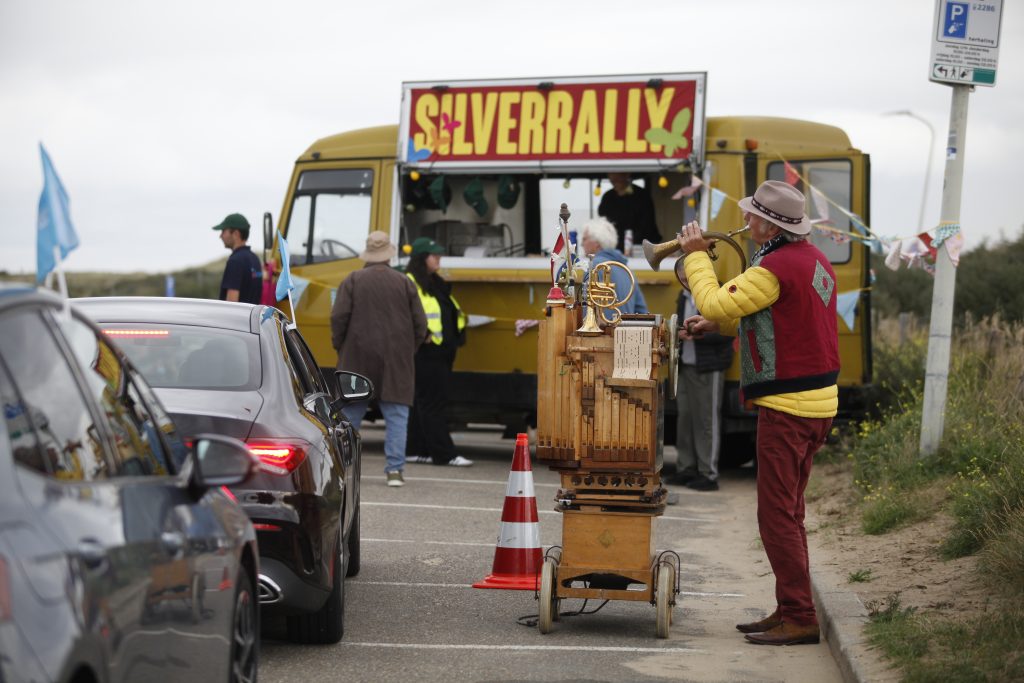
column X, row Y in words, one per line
column 428, row 425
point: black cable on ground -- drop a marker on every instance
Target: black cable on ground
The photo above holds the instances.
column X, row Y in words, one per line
column 531, row 619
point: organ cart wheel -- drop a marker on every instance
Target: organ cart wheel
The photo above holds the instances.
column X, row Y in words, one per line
column 548, row 604
column 663, row 598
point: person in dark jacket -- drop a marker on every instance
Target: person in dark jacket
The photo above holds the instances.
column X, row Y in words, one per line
column 702, row 365
column 429, row 439
column 243, row 274
column 376, row 325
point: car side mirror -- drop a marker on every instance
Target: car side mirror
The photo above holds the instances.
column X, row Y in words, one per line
column 351, row 387
column 221, row 461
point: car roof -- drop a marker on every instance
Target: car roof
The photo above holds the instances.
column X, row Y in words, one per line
column 227, row 315
column 15, row 293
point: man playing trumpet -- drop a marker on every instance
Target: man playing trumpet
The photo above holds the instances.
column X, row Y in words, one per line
column 784, row 310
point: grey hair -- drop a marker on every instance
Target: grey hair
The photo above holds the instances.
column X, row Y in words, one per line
column 601, row 231
column 792, row 236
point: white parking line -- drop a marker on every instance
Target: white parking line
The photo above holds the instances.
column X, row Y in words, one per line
column 702, row 520
column 450, row 480
column 414, row 584
column 403, row 540
column 528, row 648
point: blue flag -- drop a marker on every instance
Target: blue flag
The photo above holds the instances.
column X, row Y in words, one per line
column 53, row 226
column 284, row 280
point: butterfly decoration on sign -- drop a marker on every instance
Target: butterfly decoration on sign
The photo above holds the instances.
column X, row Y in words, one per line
column 413, row 155
column 438, row 141
column 672, row 139
column 449, row 124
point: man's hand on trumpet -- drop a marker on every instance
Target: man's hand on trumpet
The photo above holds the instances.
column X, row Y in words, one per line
column 695, row 327
column 692, row 239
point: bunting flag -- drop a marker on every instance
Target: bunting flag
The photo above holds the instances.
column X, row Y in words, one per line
column 717, row 199
column 820, row 203
column 953, row 246
column 689, row 190
column 892, row 261
column 792, row 176
column 53, row 224
column 846, row 307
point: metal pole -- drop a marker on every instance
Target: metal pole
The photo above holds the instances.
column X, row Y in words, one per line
column 937, row 369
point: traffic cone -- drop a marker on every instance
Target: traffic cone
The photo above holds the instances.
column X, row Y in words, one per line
column 517, row 558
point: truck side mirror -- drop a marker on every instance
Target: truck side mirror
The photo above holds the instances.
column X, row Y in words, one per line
column 268, row 232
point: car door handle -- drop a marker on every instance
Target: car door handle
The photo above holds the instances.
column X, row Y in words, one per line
column 172, row 541
column 92, row 553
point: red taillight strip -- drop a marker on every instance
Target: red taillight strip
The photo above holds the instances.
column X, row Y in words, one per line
column 138, row 333
column 266, row 527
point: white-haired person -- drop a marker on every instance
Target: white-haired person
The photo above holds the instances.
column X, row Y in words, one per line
column 598, row 238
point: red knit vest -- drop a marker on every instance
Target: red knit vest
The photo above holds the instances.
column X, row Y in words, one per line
column 793, row 345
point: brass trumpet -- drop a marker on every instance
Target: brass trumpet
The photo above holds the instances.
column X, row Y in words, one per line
column 656, row 253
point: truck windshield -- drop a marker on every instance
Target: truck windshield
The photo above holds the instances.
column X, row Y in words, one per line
column 330, row 215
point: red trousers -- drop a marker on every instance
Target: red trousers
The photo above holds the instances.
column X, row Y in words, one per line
column 786, row 445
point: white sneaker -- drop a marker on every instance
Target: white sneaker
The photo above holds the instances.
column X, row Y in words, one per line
column 395, row 479
column 459, row 461
column 419, row 459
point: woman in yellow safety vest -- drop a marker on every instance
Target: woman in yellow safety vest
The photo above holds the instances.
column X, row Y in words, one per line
column 429, row 440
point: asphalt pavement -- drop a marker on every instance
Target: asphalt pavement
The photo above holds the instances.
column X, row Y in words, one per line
column 412, row 614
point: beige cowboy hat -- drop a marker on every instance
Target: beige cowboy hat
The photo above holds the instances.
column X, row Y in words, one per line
column 378, row 248
column 780, row 203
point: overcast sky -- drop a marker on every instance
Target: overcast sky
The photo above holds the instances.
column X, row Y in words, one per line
column 163, row 117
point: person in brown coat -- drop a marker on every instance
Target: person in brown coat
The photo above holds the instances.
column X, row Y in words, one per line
column 377, row 324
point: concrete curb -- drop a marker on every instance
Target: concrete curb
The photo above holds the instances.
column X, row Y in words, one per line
column 842, row 617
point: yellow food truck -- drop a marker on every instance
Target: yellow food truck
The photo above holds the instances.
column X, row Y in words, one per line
column 482, row 167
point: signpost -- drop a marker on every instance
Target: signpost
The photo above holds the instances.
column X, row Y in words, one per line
column 965, row 48
column 964, row 54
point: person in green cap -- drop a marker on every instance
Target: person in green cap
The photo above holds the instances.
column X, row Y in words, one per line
column 428, row 437
column 243, row 274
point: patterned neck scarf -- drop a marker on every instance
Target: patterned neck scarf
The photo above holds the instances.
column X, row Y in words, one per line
column 767, row 248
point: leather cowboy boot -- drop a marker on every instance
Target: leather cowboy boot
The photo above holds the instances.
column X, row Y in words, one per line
column 786, row 634
column 771, row 621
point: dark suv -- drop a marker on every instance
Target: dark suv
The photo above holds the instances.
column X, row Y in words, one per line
column 121, row 558
column 245, row 371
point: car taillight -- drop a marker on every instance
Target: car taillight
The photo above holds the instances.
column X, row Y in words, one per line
column 278, row 456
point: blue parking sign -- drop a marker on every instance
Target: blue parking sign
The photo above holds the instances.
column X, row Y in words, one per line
column 955, row 21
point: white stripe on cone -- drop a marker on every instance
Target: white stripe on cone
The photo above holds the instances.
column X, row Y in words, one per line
column 519, row 535
column 520, row 485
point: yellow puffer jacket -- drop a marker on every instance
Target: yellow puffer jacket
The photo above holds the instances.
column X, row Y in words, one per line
column 751, row 291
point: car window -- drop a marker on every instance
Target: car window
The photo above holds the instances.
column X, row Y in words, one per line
column 71, row 446
column 24, row 443
column 298, row 366
column 161, row 420
column 308, row 363
column 138, row 449
column 189, row 356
